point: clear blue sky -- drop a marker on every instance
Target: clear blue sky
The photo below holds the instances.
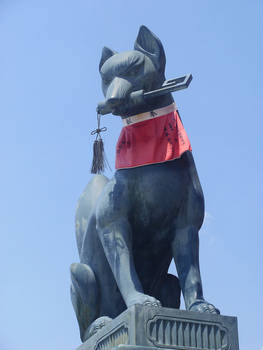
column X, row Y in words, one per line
column 49, row 88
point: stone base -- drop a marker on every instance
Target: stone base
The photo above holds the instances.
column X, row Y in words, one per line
column 146, row 328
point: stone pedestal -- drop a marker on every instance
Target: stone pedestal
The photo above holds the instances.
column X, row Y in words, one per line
column 147, row 328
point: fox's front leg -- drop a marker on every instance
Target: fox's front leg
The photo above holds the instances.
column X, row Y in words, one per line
column 116, row 237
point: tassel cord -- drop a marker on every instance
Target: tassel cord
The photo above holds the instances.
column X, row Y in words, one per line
column 99, row 129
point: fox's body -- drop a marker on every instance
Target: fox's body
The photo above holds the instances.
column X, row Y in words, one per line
column 130, row 227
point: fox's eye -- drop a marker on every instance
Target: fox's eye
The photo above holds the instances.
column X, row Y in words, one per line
column 134, row 70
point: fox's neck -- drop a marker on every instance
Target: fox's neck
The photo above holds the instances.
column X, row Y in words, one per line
column 152, row 104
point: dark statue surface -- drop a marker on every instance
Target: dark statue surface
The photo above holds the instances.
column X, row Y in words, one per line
column 129, row 228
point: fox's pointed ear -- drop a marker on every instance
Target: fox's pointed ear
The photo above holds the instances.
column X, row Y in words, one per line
column 106, row 53
column 151, row 46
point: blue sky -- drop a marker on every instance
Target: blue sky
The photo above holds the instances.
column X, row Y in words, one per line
column 49, row 88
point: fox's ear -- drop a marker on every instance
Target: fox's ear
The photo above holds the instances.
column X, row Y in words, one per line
column 151, row 46
column 106, row 53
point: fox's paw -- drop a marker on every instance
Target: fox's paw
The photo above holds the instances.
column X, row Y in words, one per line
column 96, row 326
column 203, row 306
column 143, row 299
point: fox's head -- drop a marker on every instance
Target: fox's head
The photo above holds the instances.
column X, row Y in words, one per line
column 138, row 69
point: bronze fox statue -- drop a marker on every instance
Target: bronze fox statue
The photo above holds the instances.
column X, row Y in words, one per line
column 129, row 228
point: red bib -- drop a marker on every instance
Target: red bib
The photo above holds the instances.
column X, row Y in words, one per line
column 153, row 137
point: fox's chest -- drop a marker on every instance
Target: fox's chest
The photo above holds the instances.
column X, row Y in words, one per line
column 156, row 198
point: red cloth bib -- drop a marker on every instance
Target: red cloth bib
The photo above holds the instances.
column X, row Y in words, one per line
column 155, row 140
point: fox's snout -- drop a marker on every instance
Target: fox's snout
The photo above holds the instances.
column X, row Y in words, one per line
column 118, row 91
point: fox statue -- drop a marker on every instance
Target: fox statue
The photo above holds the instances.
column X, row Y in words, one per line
column 130, row 227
